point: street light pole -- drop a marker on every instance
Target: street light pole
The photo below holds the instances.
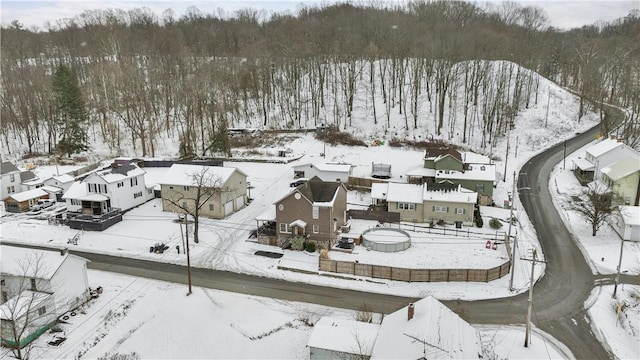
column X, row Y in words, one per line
column 533, row 260
column 186, row 230
column 515, row 242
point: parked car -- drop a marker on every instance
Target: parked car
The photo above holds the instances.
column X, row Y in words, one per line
column 298, row 182
column 43, row 204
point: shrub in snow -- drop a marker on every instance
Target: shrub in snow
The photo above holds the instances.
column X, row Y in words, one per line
column 495, row 223
column 297, row 243
column 310, row 246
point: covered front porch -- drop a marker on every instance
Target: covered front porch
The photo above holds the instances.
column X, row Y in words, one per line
column 95, row 214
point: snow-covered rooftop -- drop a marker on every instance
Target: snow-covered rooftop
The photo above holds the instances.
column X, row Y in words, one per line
column 485, row 172
column 630, row 214
column 621, row 169
column 434, row 332
column 469, row 157
column 584, row 164
column 412, row 193
column 19, row 261
column 322, row 166
column 22, row 303
column 345, row 336
column 603, row 147
column 120, row 173
column 28, row 195
column 64, row 178
column 77, row 190
column 186, row 175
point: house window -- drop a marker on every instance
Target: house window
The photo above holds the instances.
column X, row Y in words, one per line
column 170, row 187
column 284, row 228
column 459, row 211
column 75, row 202
column 479, row 187
column 315, row 212
column 11, row 189
column 2, row 282
column 443, row 209
column 5, row 297
column 121, row 184
column 406, row 206
column 137, row 195
column 185, row 188
column 33, row 284
column 12, row 177
column 316, row 229
column 42, row 311
column 210, row 207
column 184, row 204
column 134, row 181
column 102, row 188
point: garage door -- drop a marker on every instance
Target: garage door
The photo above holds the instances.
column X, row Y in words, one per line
column 239, row 202
column 228, row 208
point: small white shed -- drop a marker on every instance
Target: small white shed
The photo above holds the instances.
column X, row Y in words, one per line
column 335, row 338
column 325, row 171
column 627, row 225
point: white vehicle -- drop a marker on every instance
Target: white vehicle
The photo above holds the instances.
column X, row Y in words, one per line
column 43, row 204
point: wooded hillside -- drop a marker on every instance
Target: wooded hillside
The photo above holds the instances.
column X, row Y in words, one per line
column 190, row 78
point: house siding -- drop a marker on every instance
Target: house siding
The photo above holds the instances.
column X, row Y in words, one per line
column 448, row 163
column 236, row 185
column 70, row 284
column 627, row 187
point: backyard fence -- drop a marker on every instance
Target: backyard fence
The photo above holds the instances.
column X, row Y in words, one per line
column 414, row 275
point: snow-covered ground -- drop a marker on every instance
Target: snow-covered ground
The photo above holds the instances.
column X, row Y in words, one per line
column 156, row 320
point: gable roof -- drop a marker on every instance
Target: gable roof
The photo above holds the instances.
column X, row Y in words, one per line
column 119, row 173
column 433, row 323
column 62, row 178
column 321, row 166
column 19, row 261
column 603, row 147
column 318, row 191
column 621, row 169
column 439, row 153
column 27, row 175
column 183, row 174
column 7, row 167
column 28, row 195
column 344, row 336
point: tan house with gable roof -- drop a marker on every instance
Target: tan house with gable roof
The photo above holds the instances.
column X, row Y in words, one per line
column 623, row 178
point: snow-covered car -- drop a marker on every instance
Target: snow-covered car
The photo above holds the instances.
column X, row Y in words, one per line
column 298, row 182
column 43, row 204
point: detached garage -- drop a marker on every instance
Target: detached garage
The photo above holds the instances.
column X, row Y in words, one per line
column 23, row 201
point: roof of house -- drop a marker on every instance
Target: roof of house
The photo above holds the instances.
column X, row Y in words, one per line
column 318, row 191
column 28, row 195
column 119, row 173
column 187, row 175
column 603, row 146
column 623, row 168
column 441, row 152
column 321, row 166
column 584, row 164
column 31, row 263
column 28, row 175
column 7, row 167
column 630, row 214
column 63, row 178
column 483, row 172
column 421, row 171
column 345, row 336
column 76, row 190
column 417, row 194
column 22, row 303
column 469, row 157
column 434, row 330
column 457, row 195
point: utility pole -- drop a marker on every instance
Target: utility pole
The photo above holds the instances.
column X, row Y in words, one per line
column 534, row 260
column 515, row 242
column 564, row 155
column 506, row 158
column 615, row 287
column 186, row 230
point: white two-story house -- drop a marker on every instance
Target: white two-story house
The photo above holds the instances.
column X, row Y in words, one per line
column 607, row 152
column 11, row 182
column 118, row 187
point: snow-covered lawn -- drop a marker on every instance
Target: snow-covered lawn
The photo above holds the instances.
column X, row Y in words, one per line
column 156, row 320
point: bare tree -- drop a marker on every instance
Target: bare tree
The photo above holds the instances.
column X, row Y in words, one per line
column 595, row 204
column 27, row 309
column 191, row 199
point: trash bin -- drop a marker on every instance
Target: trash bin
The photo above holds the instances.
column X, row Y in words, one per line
column 458, row 224
column 151, row 249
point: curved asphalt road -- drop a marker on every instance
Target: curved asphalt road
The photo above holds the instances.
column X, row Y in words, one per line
column 559, row 297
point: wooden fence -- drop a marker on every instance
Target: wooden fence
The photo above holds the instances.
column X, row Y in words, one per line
column 414, row 275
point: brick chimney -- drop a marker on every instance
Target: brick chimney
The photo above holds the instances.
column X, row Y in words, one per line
column 410, row 311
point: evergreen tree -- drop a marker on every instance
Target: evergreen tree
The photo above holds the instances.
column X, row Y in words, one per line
column 71, row 112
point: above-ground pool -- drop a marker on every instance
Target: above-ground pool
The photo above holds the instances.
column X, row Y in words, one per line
column 386, row 239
